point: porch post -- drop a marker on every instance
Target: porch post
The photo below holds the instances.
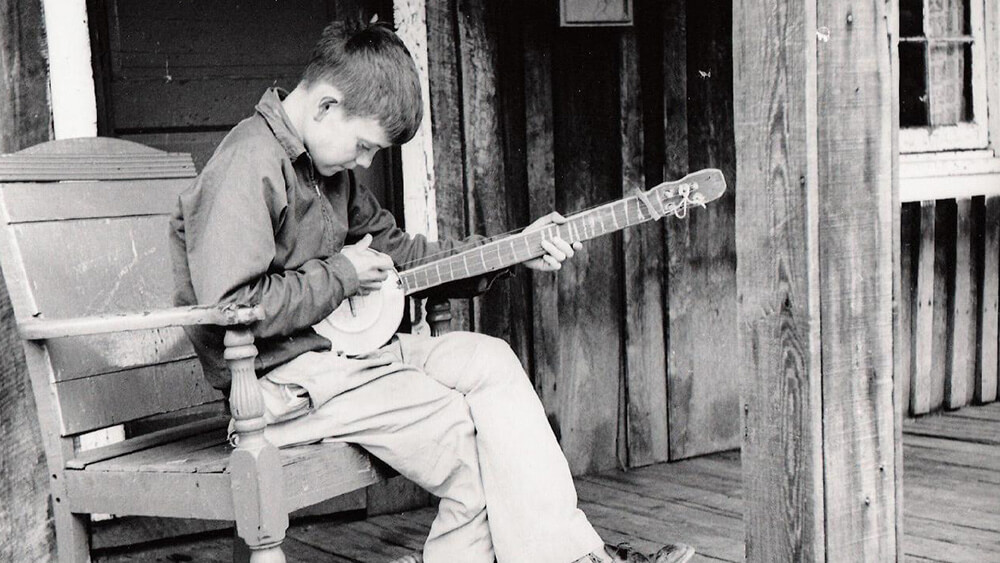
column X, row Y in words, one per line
column 816, row 219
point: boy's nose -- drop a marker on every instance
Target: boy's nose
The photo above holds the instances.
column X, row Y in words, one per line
column 364, row 160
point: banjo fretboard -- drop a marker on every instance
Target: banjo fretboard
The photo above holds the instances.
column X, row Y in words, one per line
column 669, row 198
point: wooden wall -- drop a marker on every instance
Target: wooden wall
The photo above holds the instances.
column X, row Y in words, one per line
column 529, row 118
column 26, row 532
column 179, row 74
column 949, row 302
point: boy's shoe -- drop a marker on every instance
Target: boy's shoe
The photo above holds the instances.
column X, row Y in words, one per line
column 415, row 557
column 624, row 553
column 670, row 553
column 673, row 553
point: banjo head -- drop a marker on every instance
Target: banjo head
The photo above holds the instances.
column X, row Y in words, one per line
column 362, row 324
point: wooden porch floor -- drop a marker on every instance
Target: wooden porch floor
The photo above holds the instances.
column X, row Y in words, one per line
column 951, row 506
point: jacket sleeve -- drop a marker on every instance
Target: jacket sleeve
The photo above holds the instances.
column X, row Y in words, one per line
column 230, row 218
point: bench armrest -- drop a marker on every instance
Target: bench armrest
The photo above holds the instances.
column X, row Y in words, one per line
column 221, row 315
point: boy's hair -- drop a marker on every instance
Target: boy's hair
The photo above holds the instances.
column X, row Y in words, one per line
column 376, row 74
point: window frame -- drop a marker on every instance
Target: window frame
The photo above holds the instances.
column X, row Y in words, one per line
column 932, row 170
column 961, row 136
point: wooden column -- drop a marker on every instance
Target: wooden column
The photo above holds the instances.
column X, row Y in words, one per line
column 815, row 239
column 26, row 532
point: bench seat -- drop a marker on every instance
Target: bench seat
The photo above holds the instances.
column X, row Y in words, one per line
column 162, row 465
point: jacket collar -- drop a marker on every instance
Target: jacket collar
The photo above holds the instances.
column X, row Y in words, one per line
column 269, row 107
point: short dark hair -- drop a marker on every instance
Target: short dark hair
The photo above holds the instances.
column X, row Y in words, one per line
column 376, row 74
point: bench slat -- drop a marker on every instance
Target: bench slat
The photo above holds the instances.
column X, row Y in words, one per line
column 108, row 399
column 173, row 456
column 173, row 495
column 32, row 202
column 146, row 441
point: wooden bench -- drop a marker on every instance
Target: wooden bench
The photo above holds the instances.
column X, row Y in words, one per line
column 86, row 259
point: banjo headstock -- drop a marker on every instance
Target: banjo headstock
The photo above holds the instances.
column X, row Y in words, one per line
column 695, row 189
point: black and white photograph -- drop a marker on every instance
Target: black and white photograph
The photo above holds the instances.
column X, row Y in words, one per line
column 499, row 281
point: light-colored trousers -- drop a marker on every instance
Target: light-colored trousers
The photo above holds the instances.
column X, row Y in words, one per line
column 456, row 415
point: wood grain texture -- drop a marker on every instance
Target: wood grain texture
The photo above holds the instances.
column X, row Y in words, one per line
column 910, row 248
column 26, row 534
column 585, row 405
column 923, row 324
column 218, row 72
column 485, row 162
column 989, row 299
column 59, row 201
column 854, row 101
column 90, row 159
column 645, row 358
column 446, row 120
column 944, row 284
column 539, row 150
column 704, row 396
column 514, row 129
column 961, row 372
column 104, row 400
column 777, row 281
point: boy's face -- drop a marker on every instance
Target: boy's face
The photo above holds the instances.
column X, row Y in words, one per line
column 337, row 141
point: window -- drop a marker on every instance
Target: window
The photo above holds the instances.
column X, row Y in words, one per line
column 942, row 81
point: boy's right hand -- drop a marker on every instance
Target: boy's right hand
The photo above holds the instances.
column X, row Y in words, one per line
column 372, row 266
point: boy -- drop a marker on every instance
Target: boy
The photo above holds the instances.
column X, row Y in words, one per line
column 267, row 221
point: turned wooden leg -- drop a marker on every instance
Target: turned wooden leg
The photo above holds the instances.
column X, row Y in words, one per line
column 439, row 316
column 255, row 464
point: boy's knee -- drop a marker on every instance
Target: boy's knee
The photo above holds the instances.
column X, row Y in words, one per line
column 494, row 359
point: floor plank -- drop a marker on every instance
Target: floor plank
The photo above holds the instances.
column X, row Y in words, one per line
column 951, row 506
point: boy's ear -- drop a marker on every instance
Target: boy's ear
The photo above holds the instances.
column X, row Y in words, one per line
column 324, row 106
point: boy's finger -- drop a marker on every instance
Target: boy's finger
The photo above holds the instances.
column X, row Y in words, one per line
column 554, row 251
column 556, row 218
column 365, row 241
column 564, row 246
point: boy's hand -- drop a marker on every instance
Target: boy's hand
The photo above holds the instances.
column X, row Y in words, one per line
column 370, row 264
column 557, row 250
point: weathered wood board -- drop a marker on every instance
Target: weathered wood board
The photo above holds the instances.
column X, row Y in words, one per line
column 645, row 353
column 704, row 396
column 816, row 280
column 989, row 298
column 26, row 534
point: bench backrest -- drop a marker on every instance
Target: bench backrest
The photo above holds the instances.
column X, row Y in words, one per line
column 85, row 232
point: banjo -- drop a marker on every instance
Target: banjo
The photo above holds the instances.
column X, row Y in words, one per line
column 362, row 324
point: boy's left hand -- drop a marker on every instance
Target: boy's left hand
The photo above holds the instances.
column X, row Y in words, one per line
column 557, row 250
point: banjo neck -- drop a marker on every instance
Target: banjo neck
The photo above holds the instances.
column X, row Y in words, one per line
column 667, row 199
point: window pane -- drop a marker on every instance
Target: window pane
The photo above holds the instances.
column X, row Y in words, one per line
column 912, row 85
column 911, row 18
column 948, row 80
column 946, row 18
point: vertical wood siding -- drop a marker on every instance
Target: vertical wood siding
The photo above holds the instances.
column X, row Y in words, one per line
column 531, row 118
column 26, row 533
column 949, row 298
